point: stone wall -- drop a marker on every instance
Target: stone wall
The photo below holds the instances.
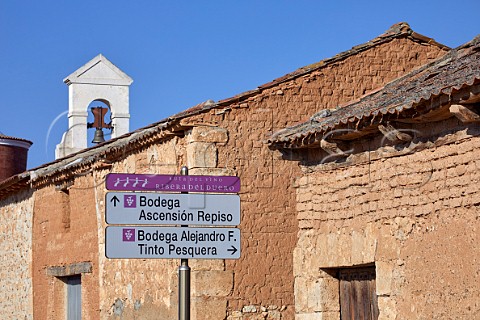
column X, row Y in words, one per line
column 412, row 212
column 16, row 252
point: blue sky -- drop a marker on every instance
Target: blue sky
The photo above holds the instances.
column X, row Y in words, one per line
column 181, row 53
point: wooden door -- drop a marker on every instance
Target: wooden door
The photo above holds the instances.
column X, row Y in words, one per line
column 358, row 299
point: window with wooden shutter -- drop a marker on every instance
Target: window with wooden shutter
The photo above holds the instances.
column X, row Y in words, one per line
column 358, row 299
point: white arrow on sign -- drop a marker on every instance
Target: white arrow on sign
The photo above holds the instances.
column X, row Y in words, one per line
column 172, row 208
column 172, row 243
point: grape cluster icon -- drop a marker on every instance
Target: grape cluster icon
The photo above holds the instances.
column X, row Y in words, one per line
column 129, row 201
column 128, row 235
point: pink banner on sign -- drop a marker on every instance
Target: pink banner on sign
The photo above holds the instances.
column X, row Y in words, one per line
column 173, row 183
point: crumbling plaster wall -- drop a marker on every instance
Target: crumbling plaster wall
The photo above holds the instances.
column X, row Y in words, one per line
column 415, row 215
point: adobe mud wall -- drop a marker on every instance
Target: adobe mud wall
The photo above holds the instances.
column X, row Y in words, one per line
column 269, row 226
column 65, row 234
column 414, row 215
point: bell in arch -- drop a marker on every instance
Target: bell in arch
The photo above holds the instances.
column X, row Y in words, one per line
column 99, row 123
column 98, row 137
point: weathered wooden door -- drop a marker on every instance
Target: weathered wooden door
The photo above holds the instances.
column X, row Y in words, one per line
column 358, row 299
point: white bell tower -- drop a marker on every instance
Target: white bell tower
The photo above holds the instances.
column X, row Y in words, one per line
column 98, row 80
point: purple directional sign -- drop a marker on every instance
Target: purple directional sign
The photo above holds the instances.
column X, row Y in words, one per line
column 175, row 183
column 172, row 208
column 130, row 242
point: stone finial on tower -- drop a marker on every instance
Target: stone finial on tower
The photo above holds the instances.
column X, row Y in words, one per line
column 98, row 80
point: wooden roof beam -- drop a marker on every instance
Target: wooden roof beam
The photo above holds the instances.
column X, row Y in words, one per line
column 392, row 134
column 332, row 148
column 464, row 113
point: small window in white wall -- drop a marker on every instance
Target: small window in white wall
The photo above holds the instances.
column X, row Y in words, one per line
column 74, row 297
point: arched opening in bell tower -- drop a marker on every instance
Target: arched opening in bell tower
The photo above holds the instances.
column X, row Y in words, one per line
column 96, row 118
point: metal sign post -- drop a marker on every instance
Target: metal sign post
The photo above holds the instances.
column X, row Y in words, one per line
column 184, row 280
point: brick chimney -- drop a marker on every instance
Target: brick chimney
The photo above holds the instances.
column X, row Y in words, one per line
column 13, row 156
